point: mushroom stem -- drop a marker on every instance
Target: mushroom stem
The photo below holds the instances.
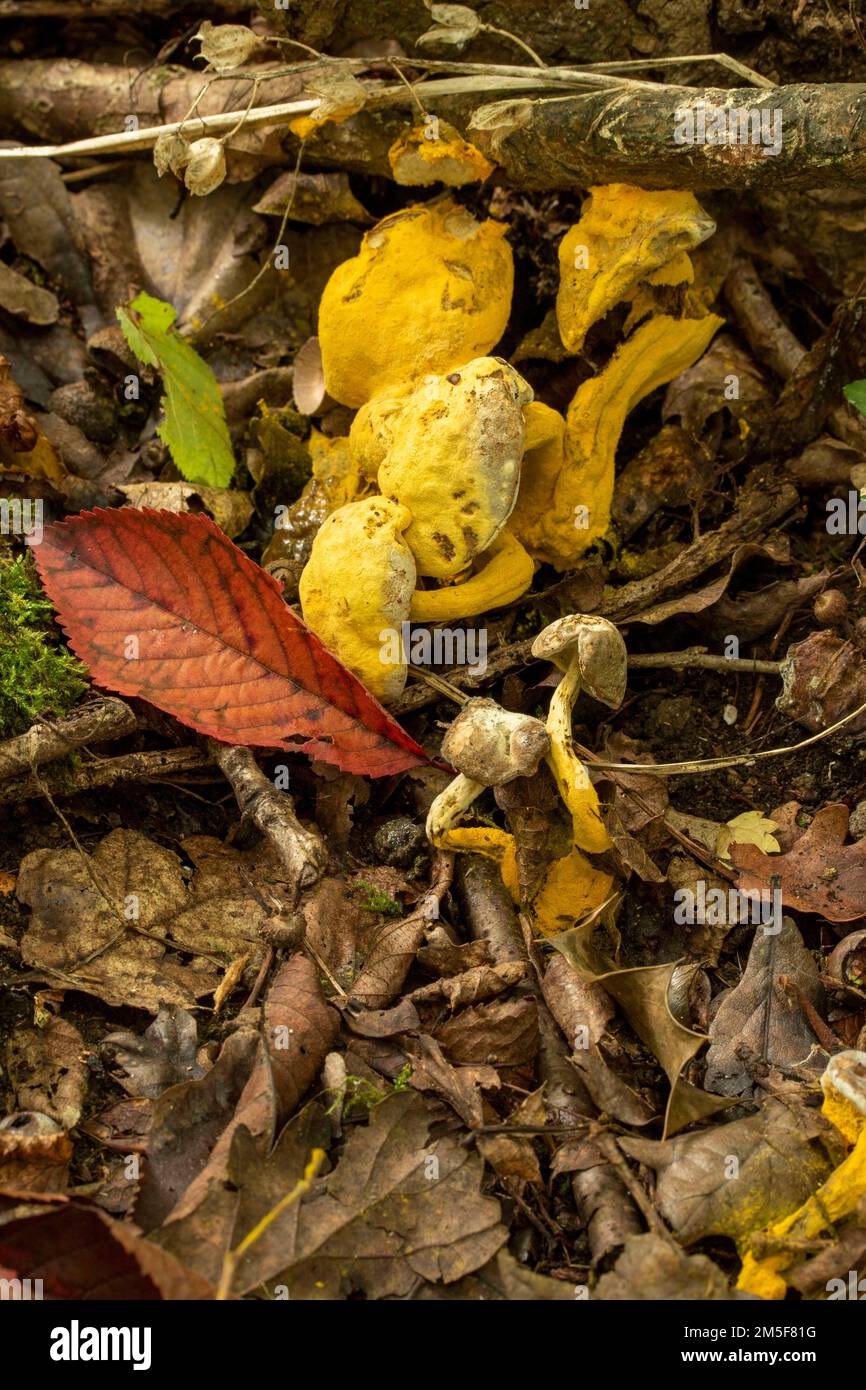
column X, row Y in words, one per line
column 450, row 805
column 572, row 778
column 506, row 575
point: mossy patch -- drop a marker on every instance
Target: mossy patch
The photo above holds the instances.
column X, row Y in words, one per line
column 37, row 676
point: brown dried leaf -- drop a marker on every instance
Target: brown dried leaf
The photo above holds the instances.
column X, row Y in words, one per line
column 112, row 1261
column 163, row 1055
column 143, row 886
column 34, row 1154
column 651, row 1267
column 819, row 874
column 459, row 1086
column 46, row 1066
column 502, row 1033
column 739, row 1177
column 758, row 1022
column 397, row 1208
column 472, row 986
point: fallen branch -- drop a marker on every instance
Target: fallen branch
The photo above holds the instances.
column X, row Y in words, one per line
column 98, row 722
column 608, row 128
column 700, row 659
column 107, row 772
column 764, row 503
column 603, row 137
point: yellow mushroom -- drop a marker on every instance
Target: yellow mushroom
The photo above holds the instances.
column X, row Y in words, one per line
column 454, row 461
column 844, row 1087
column 429, row 290
column 572, row 889
column 372, row 430
column 544, row 452
column 624, row 235
column 591, row 654
column 436, row 153
column 357, row 587
column 505, row 573
column 487, row 746
column 565, row 512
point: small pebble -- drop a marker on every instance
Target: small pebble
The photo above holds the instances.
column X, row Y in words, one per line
column 857, row 823
column 730, row 714
column 399, row 841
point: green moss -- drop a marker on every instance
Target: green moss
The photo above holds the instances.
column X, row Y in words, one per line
column 37, row 676
column 374, row 900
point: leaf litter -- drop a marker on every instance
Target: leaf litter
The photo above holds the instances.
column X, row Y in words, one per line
column 348, row 1062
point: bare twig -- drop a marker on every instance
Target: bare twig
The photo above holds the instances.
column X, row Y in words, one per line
column 736, row 760
column 301, row 851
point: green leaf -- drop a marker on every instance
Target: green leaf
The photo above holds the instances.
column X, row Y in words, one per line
column 194, row 428
column 855, row 392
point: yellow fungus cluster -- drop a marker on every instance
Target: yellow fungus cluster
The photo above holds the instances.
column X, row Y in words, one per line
column 474, row 481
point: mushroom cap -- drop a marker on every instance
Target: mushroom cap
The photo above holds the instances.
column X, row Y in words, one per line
column 493, row 745
column 454, row 460
column 597, row 646
column 308, row 380
column 357, row 588
column 429, row 289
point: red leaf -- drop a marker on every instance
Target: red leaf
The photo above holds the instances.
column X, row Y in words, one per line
column 217, row 646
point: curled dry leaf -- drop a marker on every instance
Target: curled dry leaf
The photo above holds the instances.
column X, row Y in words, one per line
column 299, row 1029
column 34, row 1153
column 312, row 198
column 205, row 167
column 226, row 46
column 651, row 1267
column 847, row 961
column 642, row 994
column 819, row 874
column 459, row 1086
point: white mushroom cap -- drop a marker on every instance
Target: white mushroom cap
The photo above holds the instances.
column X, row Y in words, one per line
column 598, row 648
column 491, row 745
